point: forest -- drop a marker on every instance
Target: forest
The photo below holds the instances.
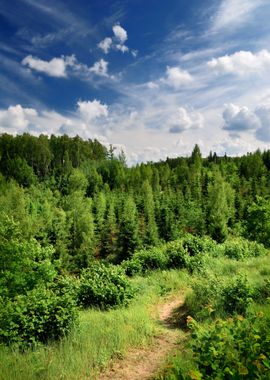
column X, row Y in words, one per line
column 82, row 233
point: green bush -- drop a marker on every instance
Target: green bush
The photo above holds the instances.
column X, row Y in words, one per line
column 236, row 348
column 177, row 254
column 151, row 259
column 262, row 292
column 132, row 267
column 240, row 249
column 237, row 296
column 38, row 316
column 104, row 287
column 212, row 298
column 195, row 245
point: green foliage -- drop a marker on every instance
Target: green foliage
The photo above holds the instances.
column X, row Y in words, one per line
column 104, row 287
column 39, row 315
column 239, row 249
column 212, row 297
column 258, row 221
column 154, row 258
column 24, row 265
column 237, row 296
column 236, row 348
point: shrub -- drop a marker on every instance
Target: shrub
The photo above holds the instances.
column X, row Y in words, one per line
column 240, row 249
column 235, row 348
column 237, row 296
column 38, row 316
column 132, row 267
column 262, row 292
column 198, row 245
column 150, row 259
column 210, row 297
column 104, row 286
column 177, row 254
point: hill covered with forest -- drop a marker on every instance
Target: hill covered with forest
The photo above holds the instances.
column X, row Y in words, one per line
column 76, row 222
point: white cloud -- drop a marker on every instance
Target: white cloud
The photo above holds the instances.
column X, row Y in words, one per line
column 16, row 117
column 241, row 62
column 100, row 68
column 105, row 44
column 239, row 118
column 263, row 113
column 120, row 33
column 234, row 13
column 56, row 67
column 152, row 85
column 122, row 48
column 176, row 77
column 184, row 120
column 91, row 110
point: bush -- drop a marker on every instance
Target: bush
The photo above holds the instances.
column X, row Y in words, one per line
column 240, row 249
column 262, row 292
column 132, row 267
column 38, row 316
column 210, row 297
column 177, row 254
column 104, row 287
column 195, row 245
column 237, row 296
column 150, row 259
column 236, row 348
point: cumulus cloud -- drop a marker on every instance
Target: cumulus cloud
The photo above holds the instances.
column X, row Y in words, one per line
column 105, row 44
column 263, row 113
column 176, row 77
column 184, row 120
column 16, row 117
column 234, row 13
column 100, row 68
column 239, row 118
column 120, row 33
column 122, row 48
column 241, row 63
column 56, row 67
column 91, row 110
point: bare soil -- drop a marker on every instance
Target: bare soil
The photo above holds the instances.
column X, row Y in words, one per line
column 143, row 363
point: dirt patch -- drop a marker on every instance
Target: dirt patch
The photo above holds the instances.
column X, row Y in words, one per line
column 143, row 363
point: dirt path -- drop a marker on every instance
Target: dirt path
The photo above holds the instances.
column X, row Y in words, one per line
column 143, row 363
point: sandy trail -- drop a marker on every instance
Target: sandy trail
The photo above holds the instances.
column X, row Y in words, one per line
column 143, row 363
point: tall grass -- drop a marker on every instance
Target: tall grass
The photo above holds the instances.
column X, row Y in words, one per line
column 101, row 336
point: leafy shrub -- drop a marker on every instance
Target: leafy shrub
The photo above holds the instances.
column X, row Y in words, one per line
column 236, row 348
column 198, row 245
column 132, row 267
column 177, row 254
column 154, row 258
column 104, row 286
column 237, row 296
column 211, row 297
column 205, row 299
column 262, row 292
column 38, row 316
column 240, row 249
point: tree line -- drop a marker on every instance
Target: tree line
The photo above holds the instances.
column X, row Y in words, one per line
column 82, row 200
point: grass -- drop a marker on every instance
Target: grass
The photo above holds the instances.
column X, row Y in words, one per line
column 101, row 336
column 181, row 362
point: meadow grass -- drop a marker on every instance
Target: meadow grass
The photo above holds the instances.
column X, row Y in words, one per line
column 100, row 337
column 257, row 270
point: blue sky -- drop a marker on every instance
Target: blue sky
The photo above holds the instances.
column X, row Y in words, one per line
column 151, row 77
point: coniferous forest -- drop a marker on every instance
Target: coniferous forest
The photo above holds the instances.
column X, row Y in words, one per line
column 81, row 232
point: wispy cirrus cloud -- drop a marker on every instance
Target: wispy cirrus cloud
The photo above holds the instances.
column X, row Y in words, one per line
column 232, row 14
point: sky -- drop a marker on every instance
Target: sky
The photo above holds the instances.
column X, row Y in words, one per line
column 153, row 78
